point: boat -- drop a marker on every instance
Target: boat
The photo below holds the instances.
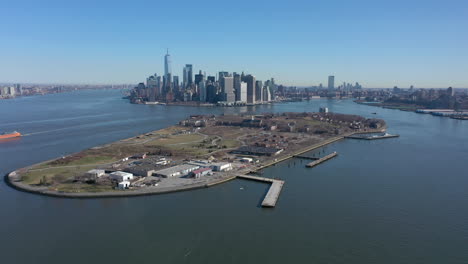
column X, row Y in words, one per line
column 10, row 135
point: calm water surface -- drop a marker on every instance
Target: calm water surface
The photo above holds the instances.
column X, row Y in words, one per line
column 401, row 200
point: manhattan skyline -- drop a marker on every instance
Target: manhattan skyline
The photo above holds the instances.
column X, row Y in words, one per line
column 300, row 43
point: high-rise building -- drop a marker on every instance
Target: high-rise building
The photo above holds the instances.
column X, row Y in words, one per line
column 221, row 74
column 250, row 80
column 188, row 75
column 202, row 91
column 227, row 88
column 199, row 77
column 175, row 83
column 237, row 86
column 243, row 92
column 211, row 93
column 167, row 64
column 152, row 85
column 19, row 89
column 212, row 79
column 266, row 94
column 331, row 83
column 450, row 91
column 258, row 91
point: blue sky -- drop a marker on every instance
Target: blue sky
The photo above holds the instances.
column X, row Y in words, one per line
column 377, row 43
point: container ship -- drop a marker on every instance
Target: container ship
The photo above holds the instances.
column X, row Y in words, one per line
column 10, row 135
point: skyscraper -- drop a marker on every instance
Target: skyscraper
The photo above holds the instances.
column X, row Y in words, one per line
column 243, row 92
column 175, row 83
column 258, row 91
column 152, row 85
column 227, row 88
column 221, row 74
column 188, row 75
column 266, row 94
column 202, row 90
column 250, row 80
column 212, row 79
column 237, row 86
column 199, row 77
column 167, row 64
column 331, row 83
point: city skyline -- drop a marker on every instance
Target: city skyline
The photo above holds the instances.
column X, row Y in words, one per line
column 379, row 45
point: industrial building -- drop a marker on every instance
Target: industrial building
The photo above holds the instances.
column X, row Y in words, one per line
column 179, row 170
column 121, row 176
column 95, row 173
column 200, row 173
column 221, row 166
column 124, row 184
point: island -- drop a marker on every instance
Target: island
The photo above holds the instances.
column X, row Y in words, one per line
column 198, row 152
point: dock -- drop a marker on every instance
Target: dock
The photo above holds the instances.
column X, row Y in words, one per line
column 372, row 137
column 317, row 162
column 305, row 157
column 273, row 193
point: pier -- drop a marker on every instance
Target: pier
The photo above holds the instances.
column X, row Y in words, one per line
column 317, row 162
column 273, row 193
column 372, row 137
column 305, row 157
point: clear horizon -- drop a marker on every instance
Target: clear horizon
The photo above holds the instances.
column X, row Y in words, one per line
column 421, row 43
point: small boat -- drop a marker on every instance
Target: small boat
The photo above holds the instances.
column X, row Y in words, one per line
column 374, row 113
column 13, row 134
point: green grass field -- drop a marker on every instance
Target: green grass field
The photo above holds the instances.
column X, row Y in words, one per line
column 54, row 174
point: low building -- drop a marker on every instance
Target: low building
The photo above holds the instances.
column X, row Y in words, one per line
column 179, row 170
column 162, row 161
column 200, row 173
column 141, row 170
column 124, row 185
column 248, row 160
column 121, row 176
column 139, row 156
column 95, row 173
column 201, row 163
column 258, row 151
column 221, row 166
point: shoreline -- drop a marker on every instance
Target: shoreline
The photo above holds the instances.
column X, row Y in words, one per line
column 12, row 178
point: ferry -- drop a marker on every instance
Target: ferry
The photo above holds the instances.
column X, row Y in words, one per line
column 10, row 135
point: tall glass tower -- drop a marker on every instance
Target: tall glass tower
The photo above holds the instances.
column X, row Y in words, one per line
column 167, row 64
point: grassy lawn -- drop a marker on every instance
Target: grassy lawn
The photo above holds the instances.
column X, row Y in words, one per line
column 176, row 140
column 53, row 174
column 229, row 143
column 88, row 160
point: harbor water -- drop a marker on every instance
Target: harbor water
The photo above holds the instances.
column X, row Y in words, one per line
column 398, row 200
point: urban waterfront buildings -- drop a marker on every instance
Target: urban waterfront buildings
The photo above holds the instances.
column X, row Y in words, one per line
column 227, row 89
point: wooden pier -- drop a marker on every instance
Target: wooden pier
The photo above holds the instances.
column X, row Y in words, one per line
column 317, row 162
column 273, row 193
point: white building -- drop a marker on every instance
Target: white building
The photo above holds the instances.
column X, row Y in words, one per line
column 121, row 176
column 95, row 173
column 248, row 160
column 243, row 92
column 221, row 166
column 124, row 185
